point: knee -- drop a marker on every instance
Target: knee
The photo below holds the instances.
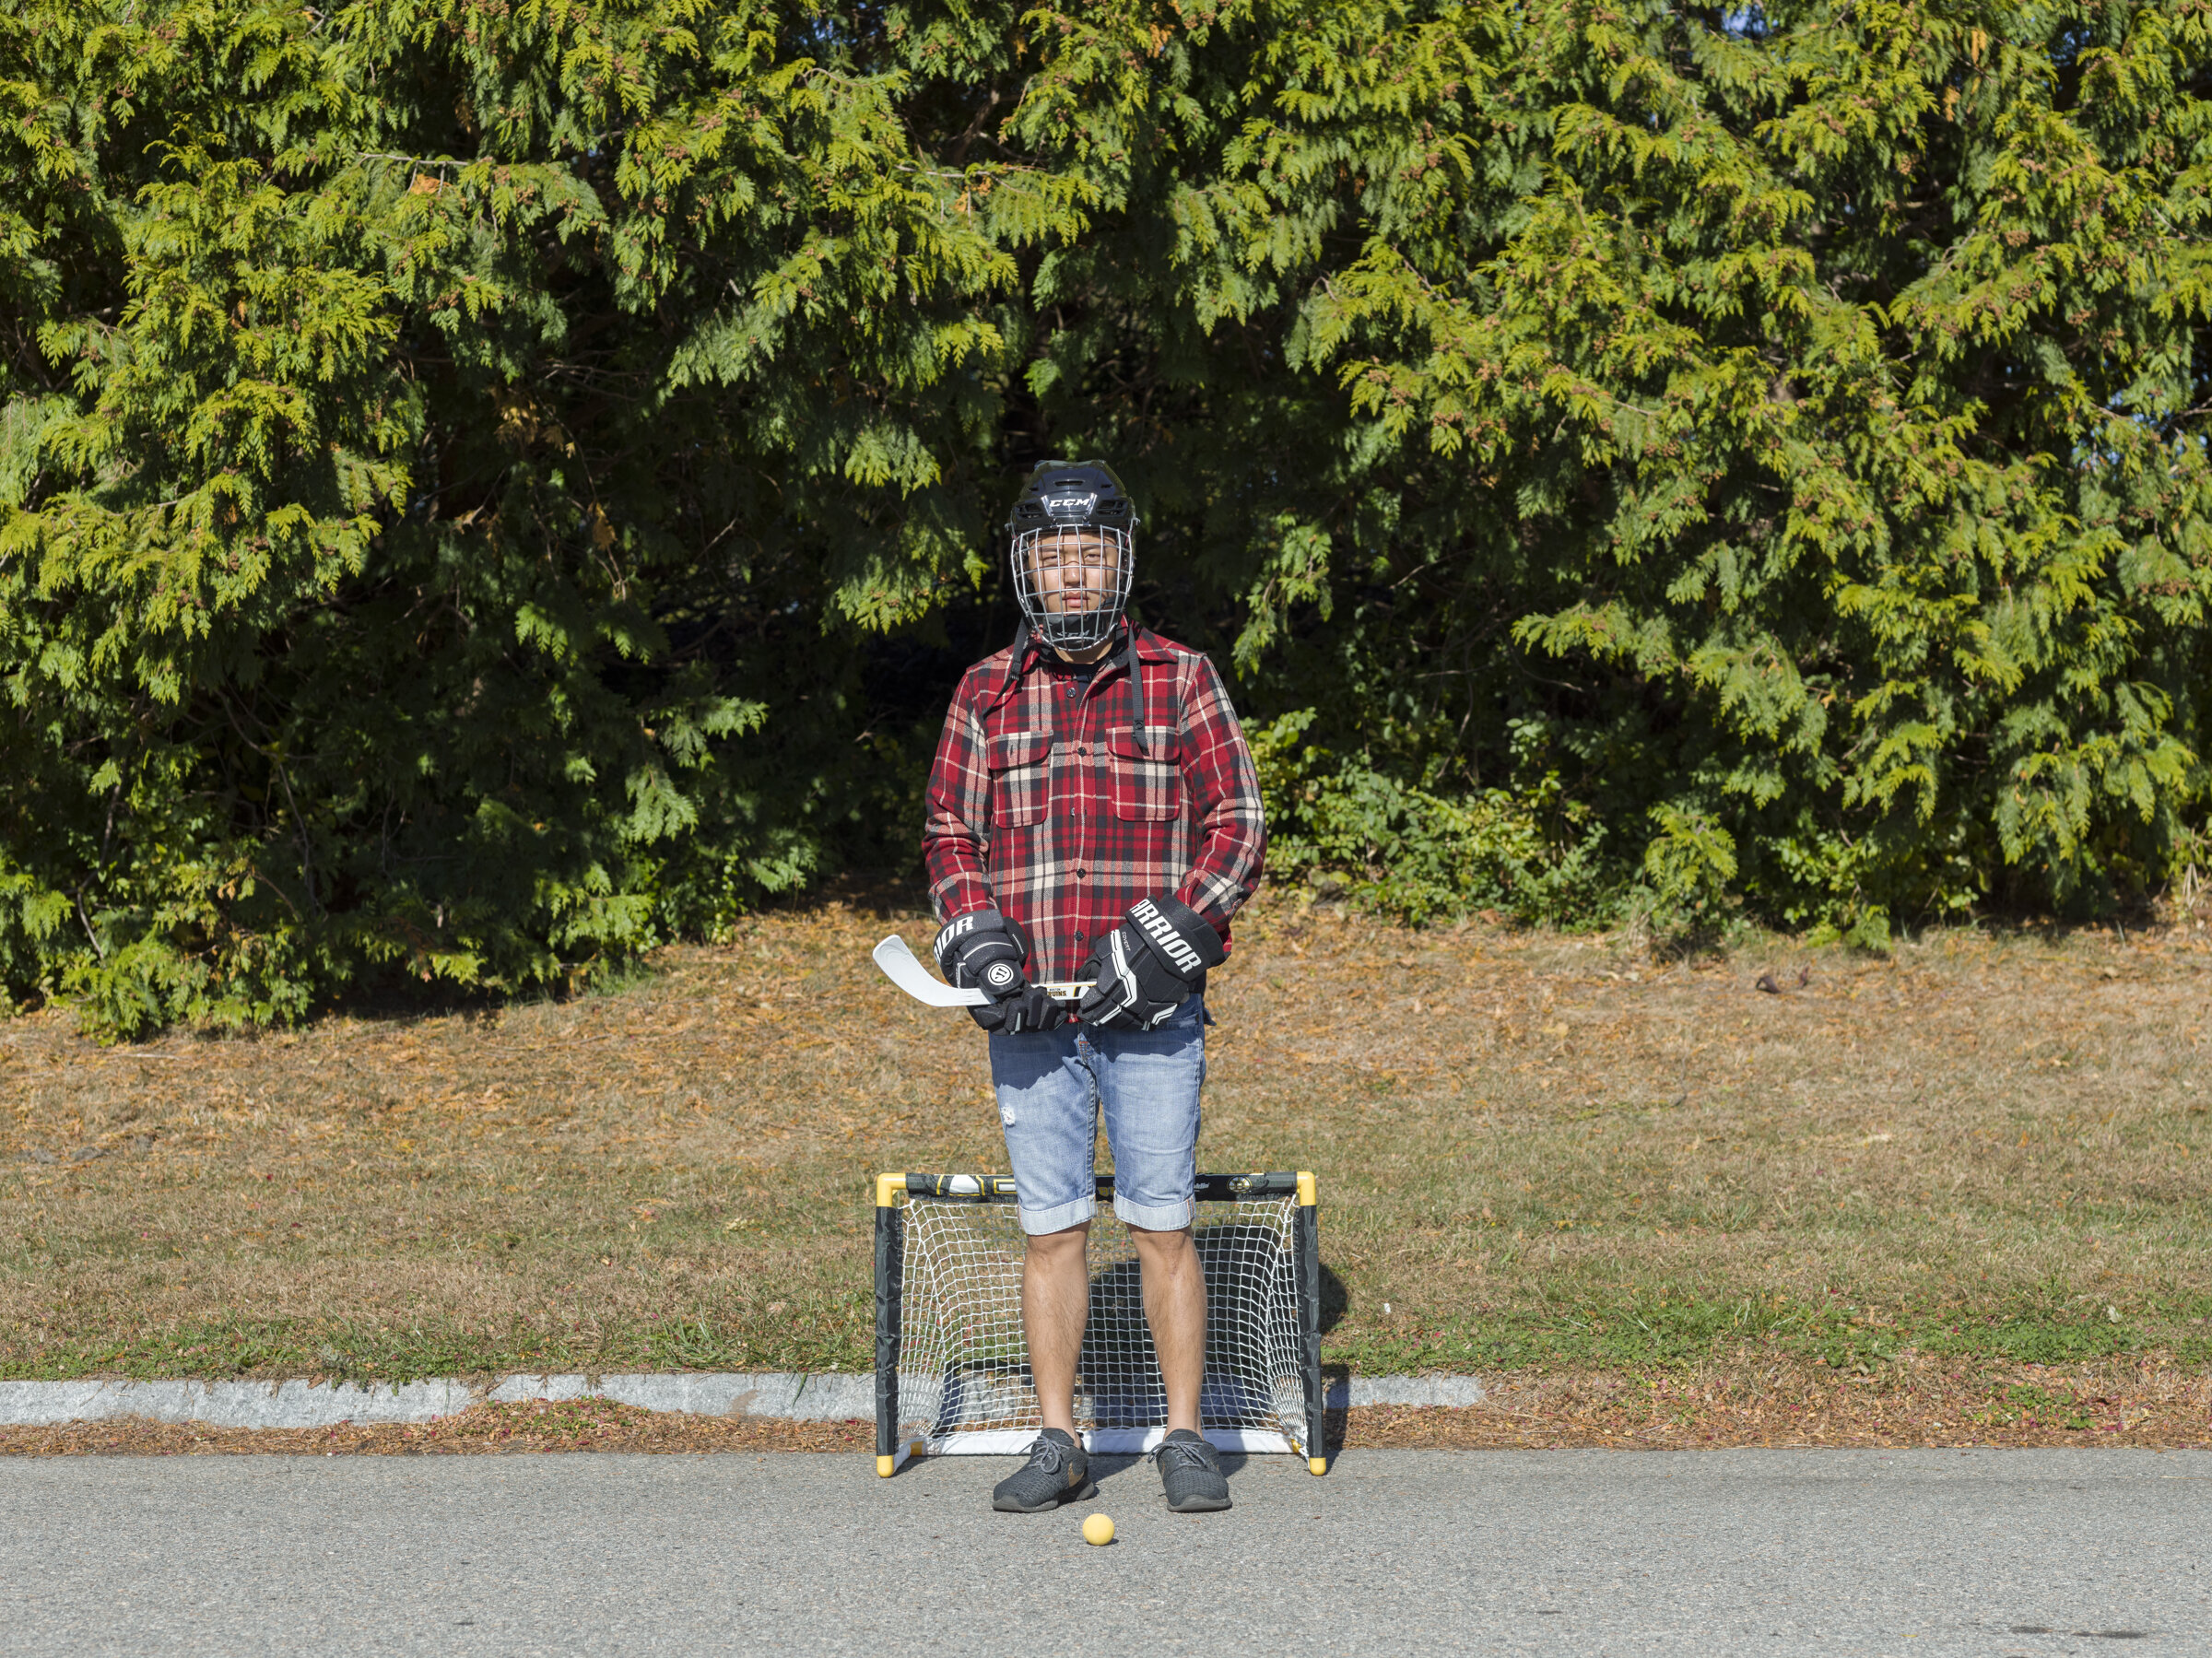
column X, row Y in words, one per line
column 1059, row 1246
column 1162, row 1245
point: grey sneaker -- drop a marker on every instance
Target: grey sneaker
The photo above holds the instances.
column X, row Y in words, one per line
column 1057, row 1472
column 1191, row 1470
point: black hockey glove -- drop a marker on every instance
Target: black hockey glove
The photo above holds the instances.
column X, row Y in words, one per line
column 1148, row 966
column 988, row 951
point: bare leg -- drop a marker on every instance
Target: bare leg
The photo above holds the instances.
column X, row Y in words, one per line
column 1055, row 1304
column 1175, row 1308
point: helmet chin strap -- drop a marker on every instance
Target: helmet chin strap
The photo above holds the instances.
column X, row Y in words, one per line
column 1135, row 671
column 1130, row 666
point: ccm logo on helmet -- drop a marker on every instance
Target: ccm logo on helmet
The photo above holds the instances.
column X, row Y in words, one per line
column 1163, row 936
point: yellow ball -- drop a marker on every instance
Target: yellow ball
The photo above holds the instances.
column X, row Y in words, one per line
column 1098, row 1530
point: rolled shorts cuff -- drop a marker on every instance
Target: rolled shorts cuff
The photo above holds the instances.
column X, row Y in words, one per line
column 1062, row 1216
column 1153, row 1218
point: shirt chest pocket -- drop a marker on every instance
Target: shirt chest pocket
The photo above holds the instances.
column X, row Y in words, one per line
column 1020, row 765
column 1147, row 782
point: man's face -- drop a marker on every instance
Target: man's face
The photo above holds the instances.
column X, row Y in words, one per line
column 1075, row 570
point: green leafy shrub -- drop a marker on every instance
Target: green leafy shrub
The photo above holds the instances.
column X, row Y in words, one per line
column 1338, row 825
column 460, row 453
column 486, row 489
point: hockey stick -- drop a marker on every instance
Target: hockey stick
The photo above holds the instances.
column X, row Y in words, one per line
column 900, row 968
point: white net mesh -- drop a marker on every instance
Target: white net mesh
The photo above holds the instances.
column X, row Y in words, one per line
column 963, row 1366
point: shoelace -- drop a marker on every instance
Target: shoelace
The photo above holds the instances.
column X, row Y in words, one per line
column 1180, row 1452
column 1048, row 1454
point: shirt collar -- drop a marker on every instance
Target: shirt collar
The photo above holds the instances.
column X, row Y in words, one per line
column 1028, row 648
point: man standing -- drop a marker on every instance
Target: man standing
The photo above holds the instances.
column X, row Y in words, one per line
column 1093, row 813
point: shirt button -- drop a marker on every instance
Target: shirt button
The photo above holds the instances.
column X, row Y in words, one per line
column 1080, row 872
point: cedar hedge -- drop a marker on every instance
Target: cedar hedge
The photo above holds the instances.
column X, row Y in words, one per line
column 489, row 485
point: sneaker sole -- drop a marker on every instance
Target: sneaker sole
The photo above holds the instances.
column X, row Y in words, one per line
column 1089, row 1489
column 1199, row 1505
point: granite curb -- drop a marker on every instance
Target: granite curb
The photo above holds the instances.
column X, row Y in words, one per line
column 830, row 1396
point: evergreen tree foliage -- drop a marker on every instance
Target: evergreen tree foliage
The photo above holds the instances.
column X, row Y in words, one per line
column 486, row 485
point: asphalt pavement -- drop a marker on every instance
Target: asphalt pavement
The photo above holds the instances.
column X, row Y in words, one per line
column 1770, row 1552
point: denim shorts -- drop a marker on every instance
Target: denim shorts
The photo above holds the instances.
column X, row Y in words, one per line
column 1052, row 1087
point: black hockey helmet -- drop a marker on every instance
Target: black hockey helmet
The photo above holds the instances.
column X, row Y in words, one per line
column 1071, row 495
column 1073, row 529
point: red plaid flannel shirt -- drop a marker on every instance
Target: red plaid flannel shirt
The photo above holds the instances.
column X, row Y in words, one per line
column 1040, row 803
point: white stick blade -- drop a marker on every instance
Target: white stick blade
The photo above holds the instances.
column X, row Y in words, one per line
column 900, row 968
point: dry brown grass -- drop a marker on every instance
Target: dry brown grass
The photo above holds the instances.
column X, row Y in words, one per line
column 1536, row 1153
column 487, row 1429
column 1915, row 1402
column 2004, row 1132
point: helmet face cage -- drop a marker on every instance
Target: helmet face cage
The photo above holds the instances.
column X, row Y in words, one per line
column 1074, row 534
column 1073, row 582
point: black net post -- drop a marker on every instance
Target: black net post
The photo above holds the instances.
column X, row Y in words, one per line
column 1308, row 1323
column 888, row 1271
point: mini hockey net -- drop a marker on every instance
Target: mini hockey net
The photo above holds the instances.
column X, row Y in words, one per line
column 952, row 1373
